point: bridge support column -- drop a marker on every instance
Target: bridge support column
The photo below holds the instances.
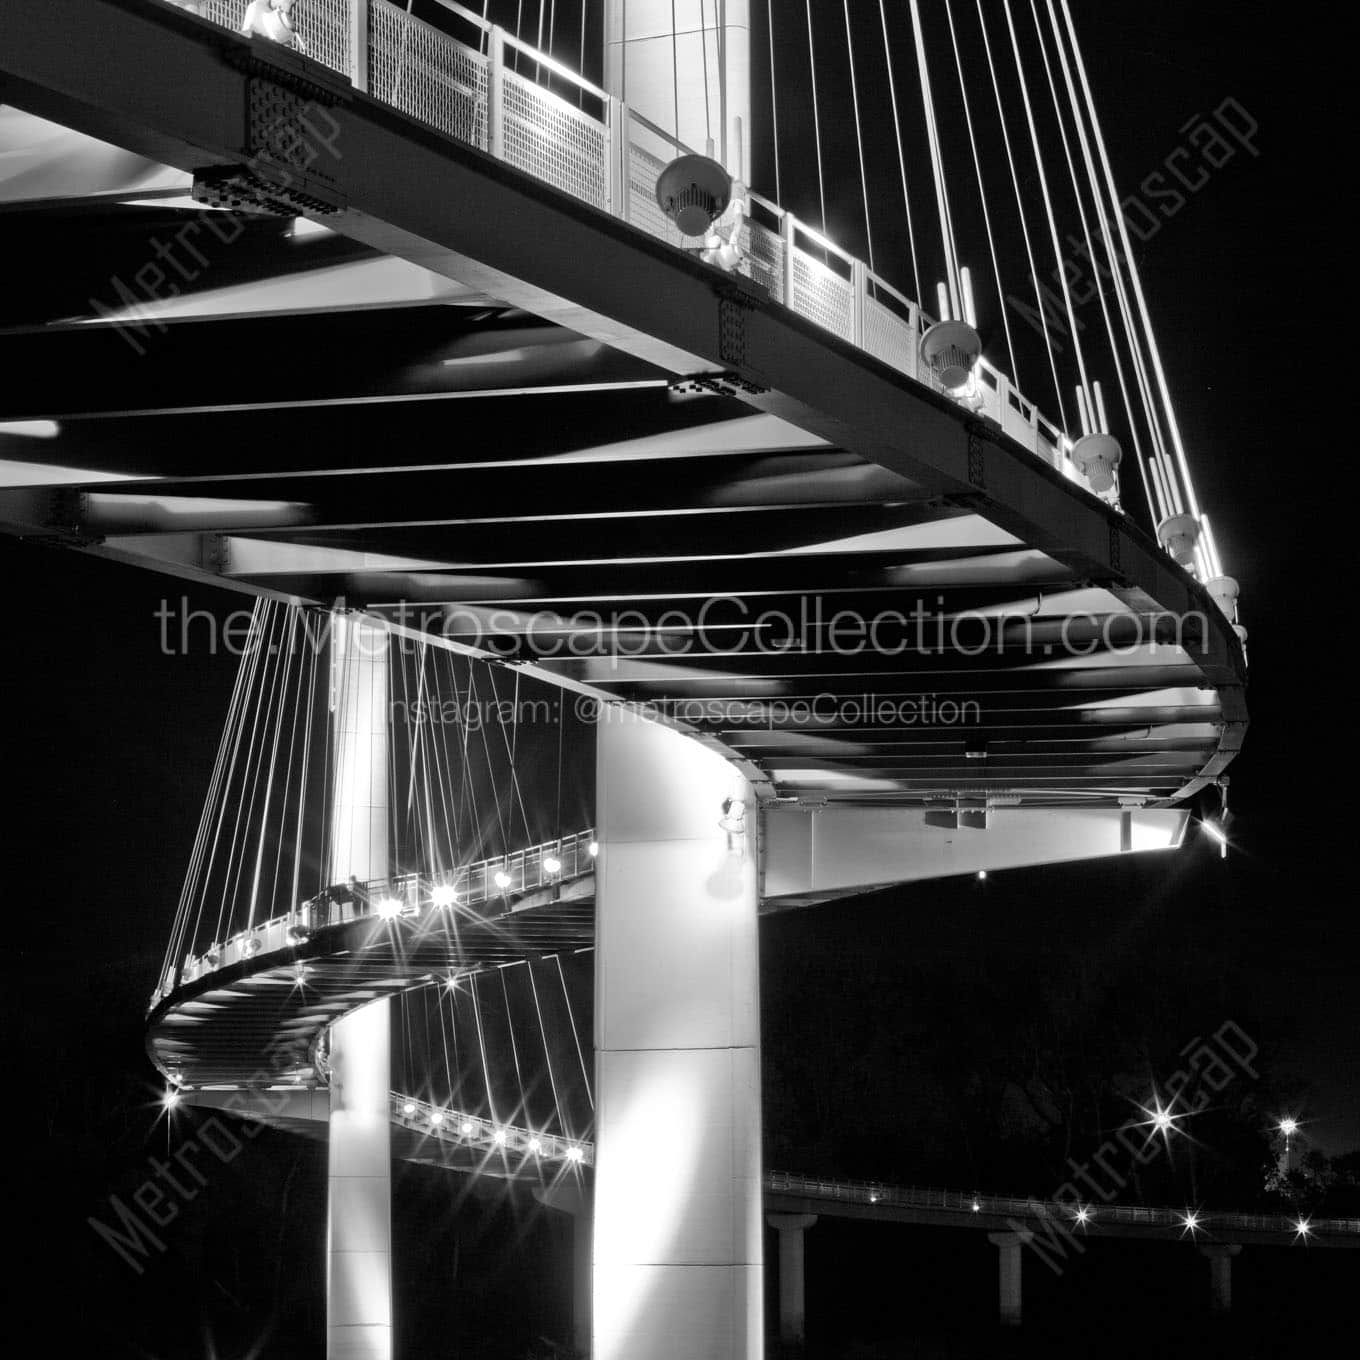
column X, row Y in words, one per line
column 639, row 62
column 1220, row 1276
column 792, row 1296
column 574, row 1201
column 359, row 1231
column 677, row 1251
column 1008, row 1245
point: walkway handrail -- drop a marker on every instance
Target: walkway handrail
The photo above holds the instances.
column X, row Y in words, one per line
column 403, row 896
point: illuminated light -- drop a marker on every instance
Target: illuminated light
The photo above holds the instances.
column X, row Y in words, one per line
column 251, row 947
column 465, row 1128
column 574, row 1154
column 535, row 1146
column 1303, row 1227
column 502, row 879
column 31, row 429
column 873, row 1199
column 1083, row 1215
column 977, row 1208
column 1191, row 1220
column 436, row 1119
column 443, row 895
column 170, row 1099
column 593, row 849
column 552, row 865
column 1289, row 1127
column 389, row 908
column 982, row 875
column 1162, row 1120
column 500, row 1137
column 409, row 1108
column 1217, row 834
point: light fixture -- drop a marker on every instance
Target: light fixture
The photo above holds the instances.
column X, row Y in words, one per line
column 982, row 875
column 500, row 1137
column 552, row 865
column 409, row 1108
column 574, row 1154
column 693, row 191
column 977, row 1208
column 251, row 947
column 951, row 349
column 436, row 1119
column 873, row 1199
column 535, row 1146
column 593, row 849
column 443, row 895
column 389, row 908
column 170, row 1099
column 502, row 880
column 1191, row 1221
column 1303, row 1227
column 1289, row 1126
column 1083, row 1215
column 465, row 1127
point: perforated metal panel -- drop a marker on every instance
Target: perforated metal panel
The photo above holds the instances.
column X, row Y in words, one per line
column 888, row 337
column 426, row 74
column 821, row 295
column 323, row 26
column 763, row 258
column 554, row 142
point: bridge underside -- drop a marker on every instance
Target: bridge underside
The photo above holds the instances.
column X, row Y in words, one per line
column 863, row 595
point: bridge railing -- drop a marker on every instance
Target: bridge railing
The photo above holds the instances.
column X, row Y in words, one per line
column 486, row 1135
column 921, row 1197
column 503, row 878
column 488, row 89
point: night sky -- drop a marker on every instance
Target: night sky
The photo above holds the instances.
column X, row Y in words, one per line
column 890, row 1000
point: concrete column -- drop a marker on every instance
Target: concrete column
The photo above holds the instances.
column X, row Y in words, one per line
column 639, row 68
column 1008, row 1245
column 792, row 1296
column 359, row 1235
column 574, row 1201
column 677, row 1249
column 1220, row 1276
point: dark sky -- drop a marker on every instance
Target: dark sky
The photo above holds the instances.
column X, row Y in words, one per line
column 109, row 745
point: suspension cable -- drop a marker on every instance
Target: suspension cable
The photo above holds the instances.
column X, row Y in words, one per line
column 982, row 193
column 774, row 102
column 859, row 134
column 901, row 155
column 816, row 115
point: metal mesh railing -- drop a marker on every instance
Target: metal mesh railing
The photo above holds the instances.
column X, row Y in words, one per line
column 547, row 138
column 888, row 337
column 323, row 26
column 822, row 295
column 426, row 74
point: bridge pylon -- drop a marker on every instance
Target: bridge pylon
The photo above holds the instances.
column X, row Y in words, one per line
column 677, row 1233
column 359, row 1204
